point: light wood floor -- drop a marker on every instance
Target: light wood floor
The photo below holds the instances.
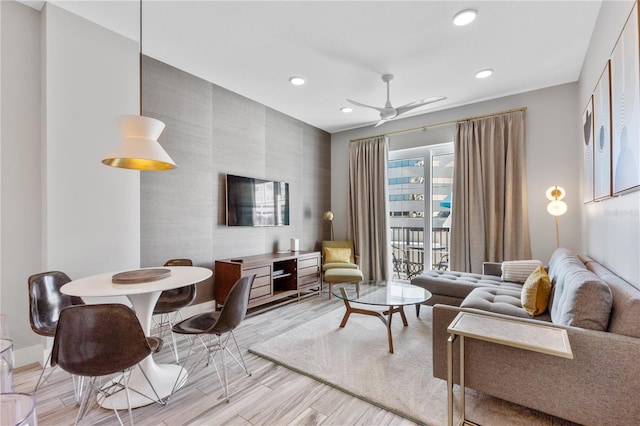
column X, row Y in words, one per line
column 273, row 395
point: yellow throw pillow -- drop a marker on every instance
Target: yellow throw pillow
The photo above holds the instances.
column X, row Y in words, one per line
column 336, row 254
column 536, row 291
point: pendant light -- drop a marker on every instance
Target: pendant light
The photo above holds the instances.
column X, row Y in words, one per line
column 140, row 150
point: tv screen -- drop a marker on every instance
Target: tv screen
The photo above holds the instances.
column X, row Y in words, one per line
column 257, row 202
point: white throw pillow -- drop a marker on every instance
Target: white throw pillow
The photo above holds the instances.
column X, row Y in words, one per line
column 518, row 270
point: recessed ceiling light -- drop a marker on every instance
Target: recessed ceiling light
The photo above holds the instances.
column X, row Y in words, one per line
column 484, row 73
column 296, row 81
column 465, row 17
column 346, row 109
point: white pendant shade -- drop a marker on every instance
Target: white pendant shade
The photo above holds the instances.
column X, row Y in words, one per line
column 140, row 150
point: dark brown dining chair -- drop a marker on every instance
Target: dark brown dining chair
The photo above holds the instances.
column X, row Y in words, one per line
column 99, row 340
column 45, row 303
column 221, row 325
column 170, row 303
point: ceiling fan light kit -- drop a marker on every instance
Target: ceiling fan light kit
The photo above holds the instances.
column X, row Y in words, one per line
column 388, row 112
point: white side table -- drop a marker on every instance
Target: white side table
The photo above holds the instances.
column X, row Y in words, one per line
column 532, row 337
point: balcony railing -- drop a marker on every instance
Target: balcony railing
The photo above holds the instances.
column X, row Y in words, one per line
column 408, row 251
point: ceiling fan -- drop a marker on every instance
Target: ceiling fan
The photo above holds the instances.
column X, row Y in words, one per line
column 389, row 112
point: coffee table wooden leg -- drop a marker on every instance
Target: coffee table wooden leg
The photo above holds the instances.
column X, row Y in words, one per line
column 347, row 306
column 404, row 317
column 389, row 336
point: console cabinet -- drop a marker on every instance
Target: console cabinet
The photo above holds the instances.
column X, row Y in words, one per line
column 280, row 278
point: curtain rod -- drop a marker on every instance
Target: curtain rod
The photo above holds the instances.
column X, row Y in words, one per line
column 444, row 123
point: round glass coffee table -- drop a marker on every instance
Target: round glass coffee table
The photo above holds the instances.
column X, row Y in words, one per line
column 394, row 295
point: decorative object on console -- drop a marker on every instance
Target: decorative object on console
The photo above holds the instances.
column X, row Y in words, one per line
column 556, row 207
column 328, row 215
column 140, row 150
column 295, row 244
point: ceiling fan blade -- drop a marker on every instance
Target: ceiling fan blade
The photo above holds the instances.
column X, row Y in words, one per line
column 365, row 105
column 416, row 104
column 380, row 122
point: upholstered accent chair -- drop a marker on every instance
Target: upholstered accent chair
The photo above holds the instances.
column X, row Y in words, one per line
column 339, row 263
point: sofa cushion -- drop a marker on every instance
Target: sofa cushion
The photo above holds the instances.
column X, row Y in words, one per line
column 625, row 307
column 560, row 258
column 338, row 275
column 341, row 265
column 518, row 270
column 457, row 284
column 535, row 292
column 580, row 298
column 499, row 300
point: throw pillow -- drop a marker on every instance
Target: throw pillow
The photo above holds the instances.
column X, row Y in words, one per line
column 337, row 254
column 518, row 270
column 535, row 292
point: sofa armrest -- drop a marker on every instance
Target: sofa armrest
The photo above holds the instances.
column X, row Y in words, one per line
column 591, row 388
column 492, row 268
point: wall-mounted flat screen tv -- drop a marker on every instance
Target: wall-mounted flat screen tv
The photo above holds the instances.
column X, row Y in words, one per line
column 257, row 202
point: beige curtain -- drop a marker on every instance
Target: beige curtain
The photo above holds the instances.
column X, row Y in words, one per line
column 489, row 209
column 368, row 206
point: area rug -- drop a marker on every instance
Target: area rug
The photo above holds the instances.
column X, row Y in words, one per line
column 356, row 360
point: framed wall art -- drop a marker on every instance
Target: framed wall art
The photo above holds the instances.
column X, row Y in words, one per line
column 602, row 137
column 625, row 98
column 587, row 139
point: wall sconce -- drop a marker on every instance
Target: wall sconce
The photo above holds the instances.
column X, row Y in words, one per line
column 140, row 150
column 328, row 216
column 556, row 207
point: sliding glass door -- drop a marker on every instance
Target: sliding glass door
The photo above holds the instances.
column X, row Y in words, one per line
column 420, row 182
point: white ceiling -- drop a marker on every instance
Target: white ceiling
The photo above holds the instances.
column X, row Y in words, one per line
column 342, row 49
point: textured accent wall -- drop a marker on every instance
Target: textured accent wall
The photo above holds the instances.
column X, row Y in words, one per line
column 211, row 132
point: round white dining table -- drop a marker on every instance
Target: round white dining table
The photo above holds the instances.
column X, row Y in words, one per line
column 143, row 296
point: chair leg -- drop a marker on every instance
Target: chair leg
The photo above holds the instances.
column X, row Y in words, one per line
column 82, row 410
column 78, row 384
column 169, row 320
column 225, row 385
column 44, row 367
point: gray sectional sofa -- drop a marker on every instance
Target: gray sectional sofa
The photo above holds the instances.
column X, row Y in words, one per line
column 599, row 310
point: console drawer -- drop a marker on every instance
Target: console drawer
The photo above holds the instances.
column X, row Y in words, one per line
column 260, row 271
column 307, row 263
column 308, row 279
column 257, row 292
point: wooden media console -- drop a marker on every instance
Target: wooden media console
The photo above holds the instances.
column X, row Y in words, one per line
column 280, row 278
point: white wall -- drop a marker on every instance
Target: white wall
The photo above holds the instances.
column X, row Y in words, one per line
column 92, row 211
column 20, row 193
column 611, row 228
column 551, row 136
column 62, row 209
